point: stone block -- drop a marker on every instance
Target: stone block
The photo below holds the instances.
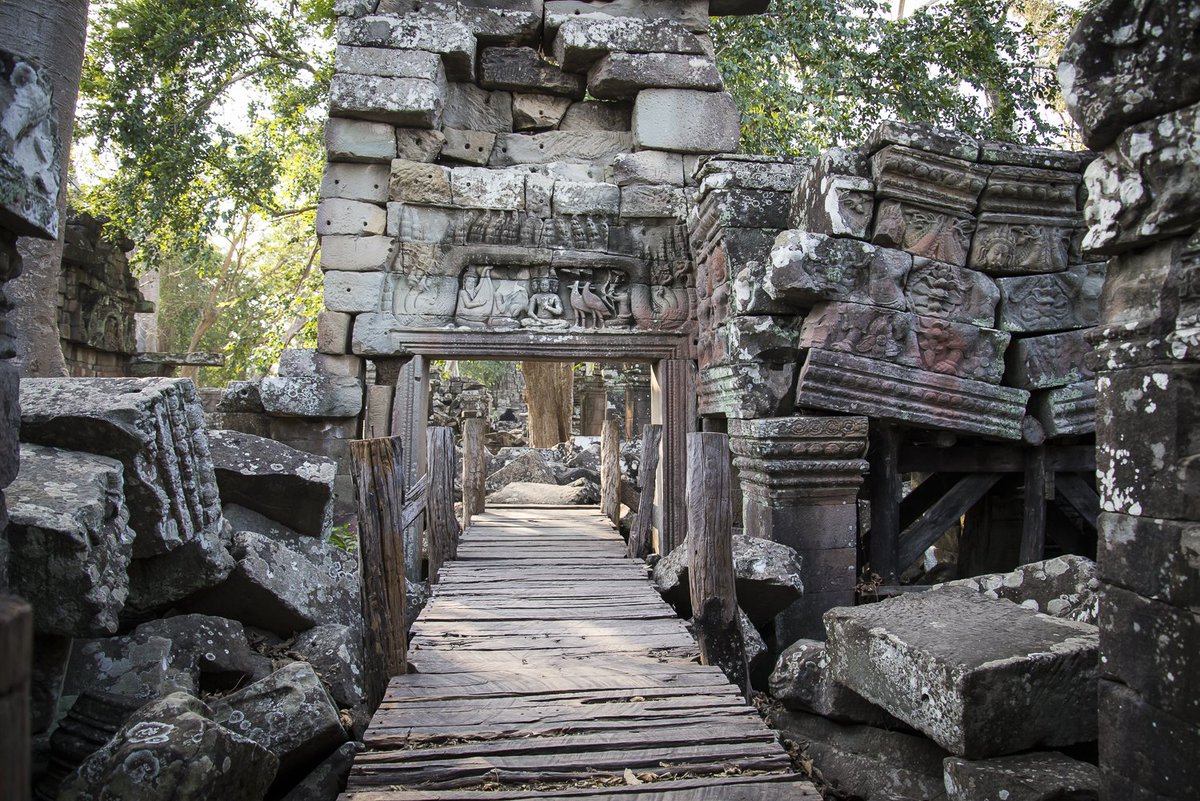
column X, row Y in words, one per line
column 598, row 115
column 419, row 182
column 994, row 678
column 867, row 331
column 333, row 332
column 933, row 234
column 479, row 188
column 962, row 350
column 137, row 668
column 385, row 62
column 522, row 69
column 290, row 486
column 357, row 253
column 1152, row 557
column 1066, row 411
column 208, row 652
column 1151, row 749
column 577, row 197
column 365, row 182
column 801, row 681
column 158, row 582
column 359, row 141
column 1054, row 302
column 692, row 14
column 745, row 208
column 1049, row 360
column 418, row 144
column 807, row 268
column 829, row 203
column 539, row 194
column 30, row 169
column 992, row 152
column 1126, row 63
column 327, row 396
column 470, row 108
column 308, row 363
column 1039, row 775
column 556, row 146
column 408, row 102
column 651, row 167
column 1016, row 244
column 421, row 224
column 748, row 390
column 919, row 136
column 70, row 541
column 1032, row 191
column 1065, row 586
column 685, row 120
column 740, row 171
column 949, row 292
column 469, row 147
column 454, row 41
column 581, row 42
column 335, row 651
column 622, row 75
column 640, row 201
column 339, row 217
column 538, row 111
column 328, row 778
column 352, row 292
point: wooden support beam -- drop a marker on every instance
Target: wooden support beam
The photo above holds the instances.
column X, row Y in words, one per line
column 377, row 467
column 933, row 524
column 1079, row 495
column 994, row 459
column 441, row 523
column 1033, row 526
column 610, row 471
column 883, row 457
column 710, row 553
column 643, row 521
column 925, row 495
column 474, row 468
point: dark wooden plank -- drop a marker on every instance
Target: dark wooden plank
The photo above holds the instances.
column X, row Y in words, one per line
column 640, row 532
column 474, row 468
column 1078, row 493
column 610, row 471
column 1033, row 523
column 442, row 524
column 953, row 505
column 414, row 505
column 883, row 458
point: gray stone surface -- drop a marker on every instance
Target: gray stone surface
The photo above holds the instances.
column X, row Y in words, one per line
column 327, row 396
column 70, row 540
column 531, row 467
column 581, row 42
column 598, row 115
column 133, row 667
column 649, row 167
column 285, row 586
column 155, row 428
column 1065, row 586
column 335, row 652
column 471, row 108
column 386, row 62
column 468, row 147
column 365, row 182
column 801, row 681
column 241, row 396
column 30, row 170
column 686, row 121
column 560, row 146
column 171, row 750
column 417, row 144
column 522, row 69
column 580, row 492
column 767, row 573
column 209, row 653
column 1040, row 776
column 1048, row 360
column 329, row 778
column 922, row 137
column 156, row 582
column 284, row 484
column 340, row 217
column 538, row 111
column 993, row 678
column 408, row 102
column 359, row 141
column 623, row 75
column 454, row 41
column 288, row 713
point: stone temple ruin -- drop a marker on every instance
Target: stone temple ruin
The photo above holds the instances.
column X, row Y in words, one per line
column 952, row 374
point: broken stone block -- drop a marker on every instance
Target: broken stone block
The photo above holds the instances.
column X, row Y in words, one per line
column 767, row 577
column 454, row 41
column 577, row 493
column 172, row 749
column 1132, row 756
column 290, row 486
column 288, row 713
column 826, row 202
column 408, row 102
column 350, row 217
column 417, row 144
column 359, row 141
column 692, row 14
column 991, row 678
column 329, row 778
column 132, row 667
column 155, row 428
column 335, row 652
column 686, row 121
column 479, row 188
column 29, row 160
column 937, row 289
column 68, row 530
column 471, row 108
column 1040, row 776
column 1065, row 411
column 740, row 171
column 555, row 146
column 1049, row 360
column 807, row 268
column 648, row 167
column 418, row 182
column 1056, row 302
column 866, row 761
column 1126, row 63
column 801, row 682
column 469, row 147
column 583, row 41
column 1065, row 586
column 623, row 75
column 386, row 62
column 538, row 111
column 209, row 653
column 598, row 115
column 325, row 396
column 578, row 197
column 922, row 137
column 531, row 467
column 284, row 586
column 522, row 69
column 365, row 182
column 156, row 582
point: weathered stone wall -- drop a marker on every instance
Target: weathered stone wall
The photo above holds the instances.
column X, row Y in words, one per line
column 1129, row 77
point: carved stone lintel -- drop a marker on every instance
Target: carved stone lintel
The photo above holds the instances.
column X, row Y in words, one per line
column 1014, row 244
column 807, row 268
column 927, row 179
column 1054, row 302
column 923, row 230
column 1066, row 411
column 1027, row 190
column 1050, row 360
column 845, row 383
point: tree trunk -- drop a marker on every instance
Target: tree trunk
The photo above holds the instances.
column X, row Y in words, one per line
column 53, row 34
column 548, row 393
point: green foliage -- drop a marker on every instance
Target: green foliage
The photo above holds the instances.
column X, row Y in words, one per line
column 816, row 73
column 344, row 537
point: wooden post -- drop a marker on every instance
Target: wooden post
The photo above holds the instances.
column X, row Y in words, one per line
column 710, row 550
column 441, row 523
column 643, row 521
column 16, row 659
column 410, row 419
column 610, row 471
column 474, row 468
column 883, row 456
column 1033, row 527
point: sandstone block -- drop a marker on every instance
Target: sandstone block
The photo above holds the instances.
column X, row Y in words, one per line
column 408, row 102
column 807, row 268
column 741, row 171
column 386, row 62
column 207, row 651
column 1153, row 557
column 598, row 115
column 692, row 14
column 1049, row 360
column 470, row 108
column 1028, row 156
column 649, row 167
column 744, row 208
column 479, row 188
column 333, row 332
column 538, row 111
column 1055, row 302
column 350, row 217
column 419, row 182
column 132, row 667
column 621, row 75
column 365, row 182
column 581, row 42
column 1040, row 775
column 29, row 161
column 328, row 396
column 522, row 69
column 1065, row 586
column 686, row 121
column 352, row 292
column 927, row 138
column 454, row 41
column 553, row 146
column 1015, row 244
column 157, row 582
column 309, row 363
column 1066, row 411
column 577, row 197
column 469, row 147
column 653, row 201
column 1030, row 190
column 359, row 140
column 335, row 651
column 801, row 681
column 1131, row 752
column 418, row 144
column 994, row 678
column 829, row 203
column 937, row 289
column 357, row 253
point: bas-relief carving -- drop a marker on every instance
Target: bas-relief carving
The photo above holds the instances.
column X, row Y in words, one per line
column 937, row 289
column 30, row 177
column 923, row 231
column 1007, row 244
column 927, row 179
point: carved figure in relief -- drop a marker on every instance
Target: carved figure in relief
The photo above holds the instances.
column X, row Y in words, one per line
column 926, row 233
column 880, row 338
column 27, row 123
column 477, row 297
column 942, row 349
column 589, row 308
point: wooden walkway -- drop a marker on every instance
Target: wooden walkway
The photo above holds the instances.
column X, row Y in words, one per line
column 549, row 668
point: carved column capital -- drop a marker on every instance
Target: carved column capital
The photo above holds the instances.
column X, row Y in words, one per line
column 783, row 461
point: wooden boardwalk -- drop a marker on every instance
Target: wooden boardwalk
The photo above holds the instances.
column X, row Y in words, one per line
column 549, row 668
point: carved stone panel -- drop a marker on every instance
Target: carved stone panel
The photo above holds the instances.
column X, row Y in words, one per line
column 923, row 231
column 866, row 331
column 1011, row 244
column 1051, row 360
column 30, row 171
column 1055, row 302
column 937, row 289
column 927, row 179
column 806, row 268
column 962, row 350
column 1027, row 190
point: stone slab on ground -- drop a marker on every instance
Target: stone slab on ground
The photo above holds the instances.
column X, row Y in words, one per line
column 1065, row 586
column 801, row 681
column 335, row 652
column 289, row 486
column 156, row 582
column 1039, row 776
column 577, row 493
column 211, row 653
column 981, row 677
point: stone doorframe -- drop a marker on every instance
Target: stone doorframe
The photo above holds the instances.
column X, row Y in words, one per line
column 673, row 392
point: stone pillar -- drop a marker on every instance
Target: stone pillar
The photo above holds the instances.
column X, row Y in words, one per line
column 1129, row 78
column 800, row 478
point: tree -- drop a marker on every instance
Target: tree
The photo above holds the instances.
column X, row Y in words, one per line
column 549, row 394
column 816, row 73
column 54, row 35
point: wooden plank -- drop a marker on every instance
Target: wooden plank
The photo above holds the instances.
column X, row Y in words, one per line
column 414, row 505
column 994, row 459
column 1033, row 523
column 640, row 532
column 610, row 471
column 883, row 458
column 1075, row 490
column 953, row 505
column 442, row 524
column 474, row 468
